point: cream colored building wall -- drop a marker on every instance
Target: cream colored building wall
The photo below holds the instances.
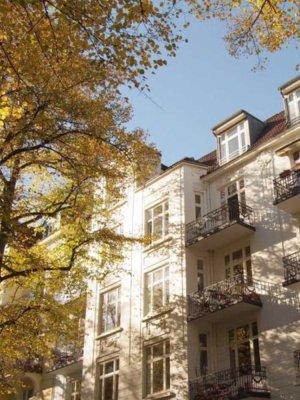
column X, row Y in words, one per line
column 277, row 234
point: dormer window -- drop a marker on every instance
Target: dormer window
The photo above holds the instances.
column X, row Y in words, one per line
column 293, row 104
column 233, row 143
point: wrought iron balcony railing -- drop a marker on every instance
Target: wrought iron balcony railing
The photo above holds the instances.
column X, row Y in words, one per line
column 216, row 220
column 222, row 295
column 291, row 264
column 62, row 359
column 286, row 186
column 32, row 365
column 230, row 384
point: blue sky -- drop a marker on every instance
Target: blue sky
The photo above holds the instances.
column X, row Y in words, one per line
column 202, row 86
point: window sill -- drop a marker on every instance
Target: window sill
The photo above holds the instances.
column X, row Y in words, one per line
column 157, row 243
column 109, row 333
column 161, row 395
column 157, row 314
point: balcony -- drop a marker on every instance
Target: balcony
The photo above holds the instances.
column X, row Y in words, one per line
column 245, row 382
column 220, row 227
column 234, row 296
column 31, row 365
column 291, row 264
column 287, row 192
column 62, row 359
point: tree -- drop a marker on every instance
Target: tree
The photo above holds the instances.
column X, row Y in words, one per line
column 62, row 130
column 254, row 27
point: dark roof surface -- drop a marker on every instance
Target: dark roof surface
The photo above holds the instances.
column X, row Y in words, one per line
column 274, row 126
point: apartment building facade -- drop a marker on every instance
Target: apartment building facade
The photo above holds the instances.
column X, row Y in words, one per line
column 210, row 307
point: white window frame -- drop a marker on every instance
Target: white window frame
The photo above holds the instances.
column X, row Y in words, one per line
column 150, row 360
column 244, row 262
column 253, row 341
column 240, row 191
column 293, row 104
column 150, row 283
column 152, row 216
column 75, row 389
column 198, row 205
column 239, row 132
column 203, row 350
column 103, row 376
column 105, row 305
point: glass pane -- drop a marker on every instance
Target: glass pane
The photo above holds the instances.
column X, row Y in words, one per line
column 108, row 388
column 232, row 132
column 148, row 379
column 158, row 376
column 166, row 224
column 249, row 272
column 203, row 362
column 109, row 367
column 148, row 353
column 158, row 210
column 149, row 228
column 242, row 333
column 167, row 343
column 111, row 317
column 232, row 189
column 254, row 329
column 233, row 146
column 227, row 259
column 157, row 276
column 116, row 387
column 244, row 354
column 158, row 350
column 117, row 364
column 237, row 255
column 101, row 389
column 197, row 199
column 157, row 296
column 197, row 212
column 256, row 353
column 167, row 373
column 203, row 340
column 157, row 230
column 248, row 251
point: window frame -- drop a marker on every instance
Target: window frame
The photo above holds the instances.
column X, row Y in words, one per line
column 102, row 376
column 240, row 132
column 252, row 339
column 103, row 327
column 198, row 205
column 75, row 391
column 151, row 224
column 293, row 105
column 149, row 285
column 149, row 367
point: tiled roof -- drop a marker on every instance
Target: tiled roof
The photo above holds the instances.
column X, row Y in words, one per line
column 274, row 126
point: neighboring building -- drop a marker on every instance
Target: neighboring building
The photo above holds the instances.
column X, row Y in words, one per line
column 210, row 308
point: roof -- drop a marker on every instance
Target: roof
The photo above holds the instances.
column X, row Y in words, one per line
column 274, row 126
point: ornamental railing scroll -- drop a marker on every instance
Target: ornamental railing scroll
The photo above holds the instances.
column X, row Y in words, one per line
column 222, row 295
column 291, row 264
column 229, row 384
column 287, row 185
column 216, row 220
column 62, row 359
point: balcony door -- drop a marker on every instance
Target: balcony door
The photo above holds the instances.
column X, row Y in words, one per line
column 244, row 346
column 238, row 263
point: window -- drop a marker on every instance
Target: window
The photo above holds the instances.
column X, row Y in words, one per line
column 27, row 393
column 158, row 367
column 234, row 196
column 293, row 103
column 198, row 212
column 203, row 350
column 157, row 289
column 109, row 380
column 200, row 275
column 239, row 263
column 110, row 310
column 75, row 389
column 157, row 220
column 297, row 365
column 244, row 346
column 233, row 143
